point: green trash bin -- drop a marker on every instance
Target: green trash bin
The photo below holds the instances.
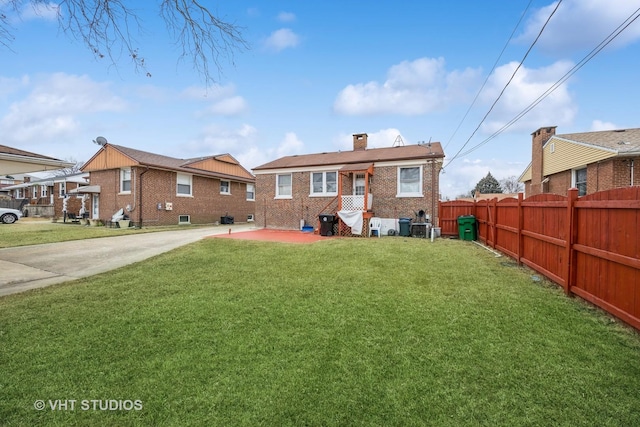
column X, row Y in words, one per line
column 405, row 227
column 467, row 227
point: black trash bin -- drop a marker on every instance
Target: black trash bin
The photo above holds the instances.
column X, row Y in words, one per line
column 326, row 224
column 226, row 219
column 405, row 227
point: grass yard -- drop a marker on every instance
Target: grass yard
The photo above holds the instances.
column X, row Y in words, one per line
column 28, row 231
column 343, row 332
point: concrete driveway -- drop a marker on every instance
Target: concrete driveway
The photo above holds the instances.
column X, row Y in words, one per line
column 36, row 266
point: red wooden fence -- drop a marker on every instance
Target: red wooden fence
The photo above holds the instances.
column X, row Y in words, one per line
column 589, row 245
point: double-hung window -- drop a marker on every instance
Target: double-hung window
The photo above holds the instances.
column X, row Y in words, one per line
column 324, row 183
column 183, row 187
column 225, row 187
column 62, row 189
column 580, row 180
column 409, row 181
column 251, row 192
column 283, row 186
column 125, row 180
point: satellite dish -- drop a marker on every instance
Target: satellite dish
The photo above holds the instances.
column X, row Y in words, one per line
column 101, row 140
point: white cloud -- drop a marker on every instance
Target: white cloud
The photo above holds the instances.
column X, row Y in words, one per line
column 282, row 39
column 412, row 88
column 286, row 17
column 581, row 24
column 54, row 106
column 289, row 145
column 39, row 10
column 229, row 106
column 598, row 125
column 463, row 175
column 527, row 85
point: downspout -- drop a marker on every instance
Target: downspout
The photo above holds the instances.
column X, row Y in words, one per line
column 140, row 196
column 631, row 166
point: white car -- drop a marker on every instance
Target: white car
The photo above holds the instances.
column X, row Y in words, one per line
column 9, row 216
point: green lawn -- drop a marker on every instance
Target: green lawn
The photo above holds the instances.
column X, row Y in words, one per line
column 33, row 232
column 343, row 332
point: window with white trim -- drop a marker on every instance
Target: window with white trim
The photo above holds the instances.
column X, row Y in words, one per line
column 62, row 189
column 359, row 184
column 225, row 187
column 43, row 191
column 410, row 181
column 183, row 187
column 251, row 192
column 579, row 178
column 125, row 180
column 283, row 186
column 324, row 183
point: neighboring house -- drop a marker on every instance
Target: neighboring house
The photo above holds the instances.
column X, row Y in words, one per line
column 390, row 183
column 15, row 161
column 589, row 161
column 158, row 190
column 49, row 197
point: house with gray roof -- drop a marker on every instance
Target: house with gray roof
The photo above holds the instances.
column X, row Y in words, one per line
column 588, row 161
column 153, row 189
column 352, row 186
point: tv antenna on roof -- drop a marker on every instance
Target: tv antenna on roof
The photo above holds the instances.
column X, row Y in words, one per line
column 398, row 141
column 101, row 140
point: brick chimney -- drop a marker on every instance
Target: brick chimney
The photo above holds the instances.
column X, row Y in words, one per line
column 360, row 141
column 539, row 138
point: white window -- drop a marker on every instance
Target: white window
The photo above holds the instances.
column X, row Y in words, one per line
column 358, row 185
column 251, row 192
column 579, row 178
column 225, row 187
column 125, row 180
column 324, row 183
column 283, row 186
column 410, row 181
column 62, row 189
column 183, row 185
column 43, row 191
column 184, row 219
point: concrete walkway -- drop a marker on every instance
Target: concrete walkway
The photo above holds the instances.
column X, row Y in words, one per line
column 37, row 266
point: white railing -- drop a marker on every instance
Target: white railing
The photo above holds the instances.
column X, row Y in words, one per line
column 356, row 203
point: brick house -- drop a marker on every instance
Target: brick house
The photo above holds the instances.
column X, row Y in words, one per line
column 159, row 190
column 49, row 197
column 388, row 183
column 589, row 161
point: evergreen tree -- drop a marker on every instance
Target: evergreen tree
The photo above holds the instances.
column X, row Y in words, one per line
column 488, row 185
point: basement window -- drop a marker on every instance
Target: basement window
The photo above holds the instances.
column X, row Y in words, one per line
column 184, row 219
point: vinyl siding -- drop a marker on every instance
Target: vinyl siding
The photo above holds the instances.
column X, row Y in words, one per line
column 108, row 159
column 568, row 155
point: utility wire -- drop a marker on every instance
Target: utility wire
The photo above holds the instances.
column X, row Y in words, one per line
column 495, row 64
column 615, row 33
column 506, row 85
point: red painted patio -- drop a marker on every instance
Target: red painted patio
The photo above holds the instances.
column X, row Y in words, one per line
column 270, row 235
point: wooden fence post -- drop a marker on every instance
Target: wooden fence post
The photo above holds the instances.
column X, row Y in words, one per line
column 520, row 226
column 571, row 225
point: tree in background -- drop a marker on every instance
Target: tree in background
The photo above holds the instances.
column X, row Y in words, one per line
column 72, row 170
column 106, row 28
column 488, row 185
column 511, row 185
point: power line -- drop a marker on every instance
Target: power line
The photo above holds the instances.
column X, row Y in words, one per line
column 489, row 74
column 615, row 33
column 506, row 85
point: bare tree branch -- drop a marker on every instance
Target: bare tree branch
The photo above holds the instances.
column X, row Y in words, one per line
column 108, row 28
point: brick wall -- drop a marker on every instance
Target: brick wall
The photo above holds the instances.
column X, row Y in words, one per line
column 287, row 213
column 205, row 206
column 539, row 138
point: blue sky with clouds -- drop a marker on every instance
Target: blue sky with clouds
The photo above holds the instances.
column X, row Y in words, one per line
column 316, row 73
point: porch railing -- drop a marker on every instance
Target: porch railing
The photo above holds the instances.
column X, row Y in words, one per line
column 356, row 203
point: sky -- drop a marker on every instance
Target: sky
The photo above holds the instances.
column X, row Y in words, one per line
column 315, row 73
